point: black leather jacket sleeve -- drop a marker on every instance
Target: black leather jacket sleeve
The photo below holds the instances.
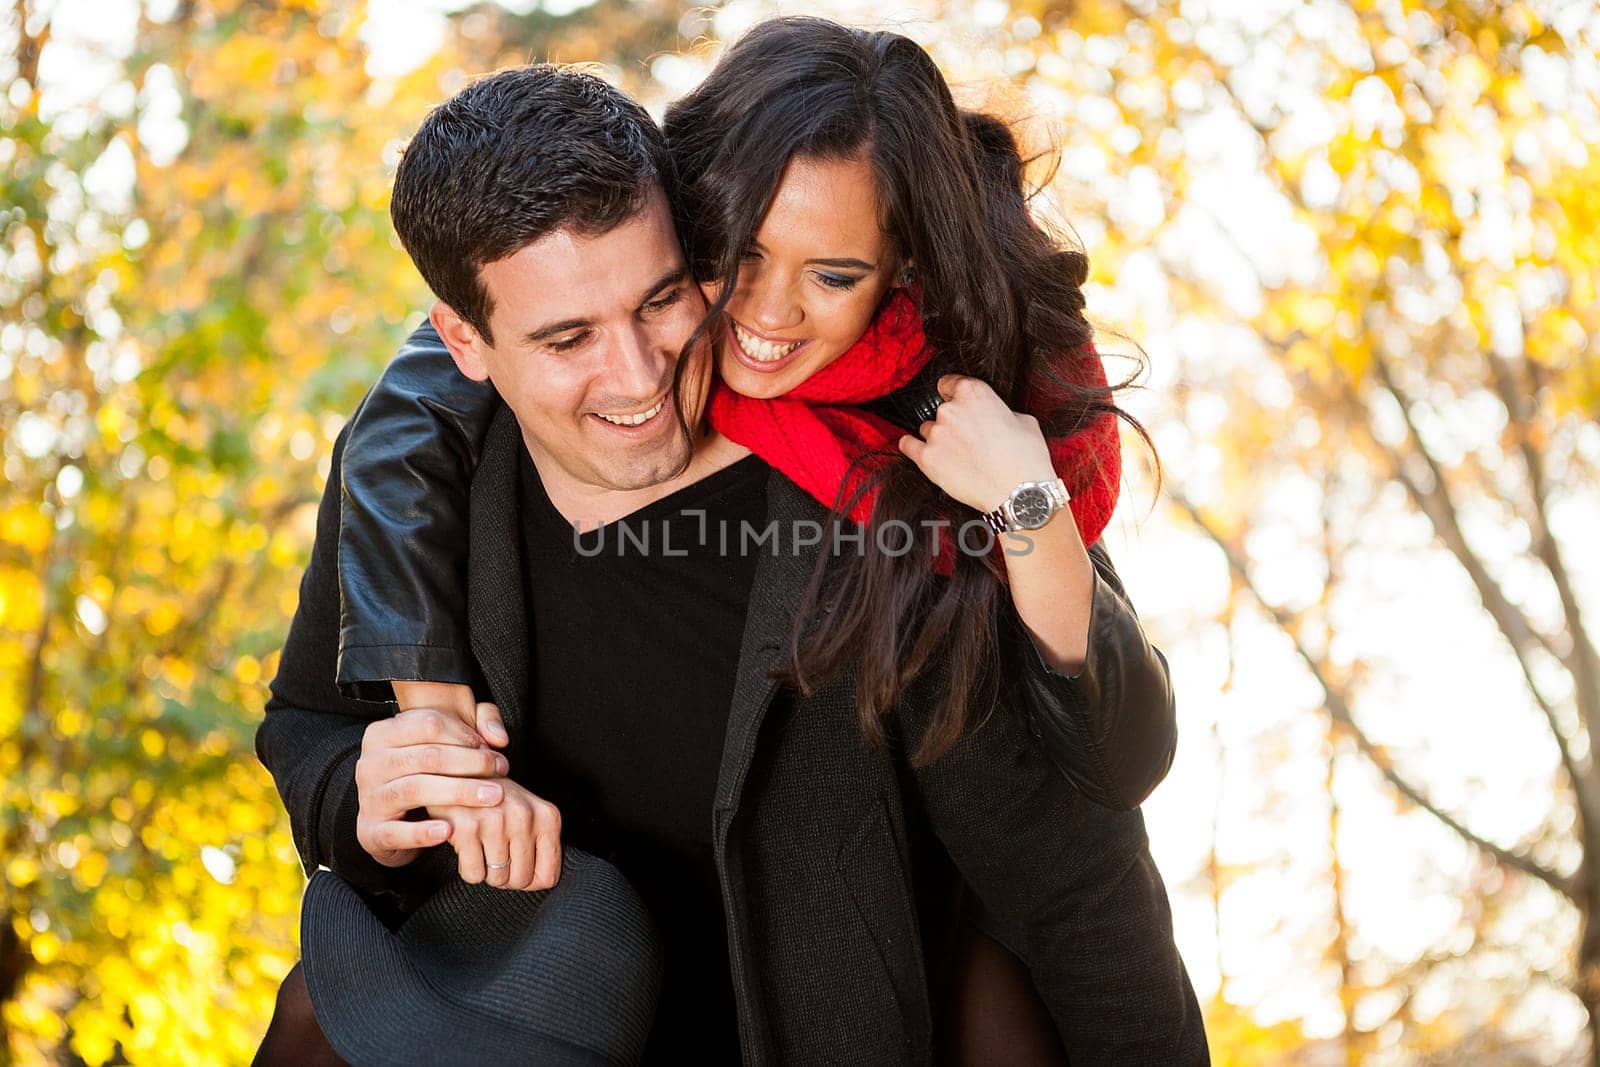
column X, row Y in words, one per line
column 402, row 539
column 1112, row 727
column 413, row 444
column 311, row 735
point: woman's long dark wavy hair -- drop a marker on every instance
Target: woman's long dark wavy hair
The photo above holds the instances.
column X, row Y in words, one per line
column 999, row 299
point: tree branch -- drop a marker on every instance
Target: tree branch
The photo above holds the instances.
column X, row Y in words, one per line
column 1338, row 707
column 1522, row 408
column 1518, row 632
column 1513, row 626
column 1440, row 509
column 29, row 47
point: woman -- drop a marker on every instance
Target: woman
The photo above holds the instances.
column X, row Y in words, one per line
column 845, row 236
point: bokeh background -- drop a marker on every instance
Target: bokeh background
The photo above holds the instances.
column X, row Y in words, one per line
column 1356, row 241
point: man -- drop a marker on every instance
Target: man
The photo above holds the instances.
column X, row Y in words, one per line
column 532, row 203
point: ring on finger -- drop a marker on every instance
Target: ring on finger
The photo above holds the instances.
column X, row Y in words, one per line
column 498, row 866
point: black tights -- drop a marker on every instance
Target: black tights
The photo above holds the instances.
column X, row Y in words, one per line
column 293, row 1037
column 998, row 1016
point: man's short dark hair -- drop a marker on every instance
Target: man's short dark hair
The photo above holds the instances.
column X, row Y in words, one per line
column 511, row 158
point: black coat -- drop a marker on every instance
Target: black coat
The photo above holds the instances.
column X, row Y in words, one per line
column 816, row 834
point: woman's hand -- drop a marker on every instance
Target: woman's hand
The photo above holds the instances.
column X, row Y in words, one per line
column 975, row 448
column 515, row 844
column 456, row 701
column 978, row 450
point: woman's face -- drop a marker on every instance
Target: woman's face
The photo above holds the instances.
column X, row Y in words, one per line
column 810, row 282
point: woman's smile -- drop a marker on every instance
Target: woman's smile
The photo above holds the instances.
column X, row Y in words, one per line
column 759, row 352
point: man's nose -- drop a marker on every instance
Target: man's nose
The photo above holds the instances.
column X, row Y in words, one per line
column 637, row 367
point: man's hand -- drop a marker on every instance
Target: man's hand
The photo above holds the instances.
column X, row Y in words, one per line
column 419, row 759
column 514, row 845
column 457, row 701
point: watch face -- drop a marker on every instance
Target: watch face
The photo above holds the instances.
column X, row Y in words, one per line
column 1032, row 507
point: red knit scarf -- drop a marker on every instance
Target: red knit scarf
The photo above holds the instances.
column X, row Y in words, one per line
column 815, row 431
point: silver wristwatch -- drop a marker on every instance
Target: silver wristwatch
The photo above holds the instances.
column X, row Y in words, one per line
column 1030, row 506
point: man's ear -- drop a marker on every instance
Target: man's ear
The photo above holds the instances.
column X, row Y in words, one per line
column 461, row 338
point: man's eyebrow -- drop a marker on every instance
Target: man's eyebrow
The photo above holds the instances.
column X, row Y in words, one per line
column 846, row 263
column 673, row 277
column 544, row 333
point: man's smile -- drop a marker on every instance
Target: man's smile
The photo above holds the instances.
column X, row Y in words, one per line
column 636, row 421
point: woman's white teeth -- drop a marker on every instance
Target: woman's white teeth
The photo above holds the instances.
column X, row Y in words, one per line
column 760, row 350
column 635, row 420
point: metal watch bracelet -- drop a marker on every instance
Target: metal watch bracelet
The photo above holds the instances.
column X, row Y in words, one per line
column 1005, row 519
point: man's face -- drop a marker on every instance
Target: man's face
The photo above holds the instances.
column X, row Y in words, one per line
column 587, row 333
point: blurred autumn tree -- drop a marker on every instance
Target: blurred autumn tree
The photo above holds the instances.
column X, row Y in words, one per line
column 198, row 281
column 1388, row 352
column 1367, row 229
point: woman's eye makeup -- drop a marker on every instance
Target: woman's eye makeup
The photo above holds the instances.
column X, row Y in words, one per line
column 841, row 282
